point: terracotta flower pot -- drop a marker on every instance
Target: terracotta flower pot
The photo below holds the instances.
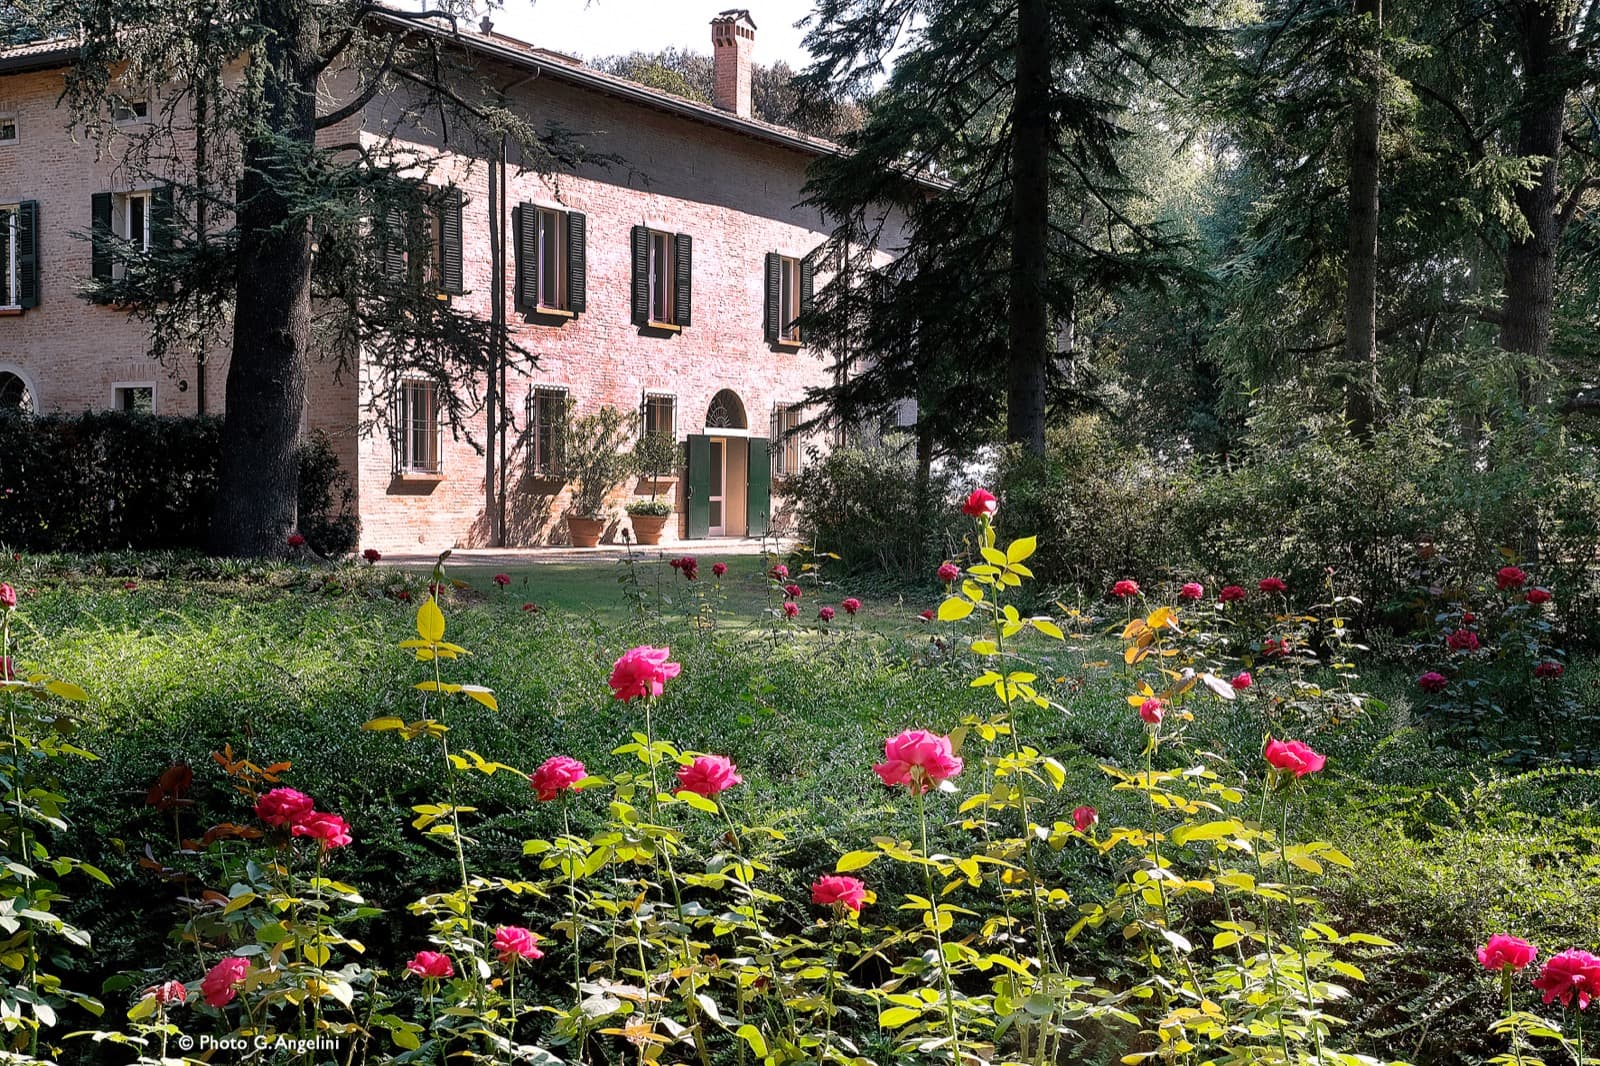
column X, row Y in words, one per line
column 585, row 531
column 647, row 527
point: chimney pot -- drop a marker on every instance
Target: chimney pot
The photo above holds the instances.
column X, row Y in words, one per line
column 733, row 38
column 486, row 25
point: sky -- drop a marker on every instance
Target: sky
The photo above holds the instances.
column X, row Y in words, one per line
column 589, row 28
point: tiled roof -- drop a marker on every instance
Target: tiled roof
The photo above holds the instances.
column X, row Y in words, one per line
column 39, row 55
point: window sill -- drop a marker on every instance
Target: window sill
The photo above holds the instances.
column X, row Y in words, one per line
column 418, row 477
column 790, row 346
column 552, row 312
column 664, row 327
column 11, row 311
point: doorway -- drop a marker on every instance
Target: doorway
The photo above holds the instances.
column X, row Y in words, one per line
column 717, row 498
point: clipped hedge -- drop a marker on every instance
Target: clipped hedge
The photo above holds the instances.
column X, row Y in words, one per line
column 113, row 480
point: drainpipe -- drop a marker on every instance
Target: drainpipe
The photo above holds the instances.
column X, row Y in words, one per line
column 494, row 481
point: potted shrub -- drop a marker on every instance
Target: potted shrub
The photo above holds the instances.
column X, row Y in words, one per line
column 654, row 457
column 596, row 463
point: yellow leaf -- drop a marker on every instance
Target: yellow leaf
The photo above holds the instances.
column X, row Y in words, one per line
column 1134, row 627
column 430, row 621
column 855, row 860
column 1048, row 628
column 1160, row 617
column 895, row 1017
column 954, row 609
column 1022, row 549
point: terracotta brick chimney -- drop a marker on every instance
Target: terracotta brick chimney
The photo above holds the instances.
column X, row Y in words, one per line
column 733, row 38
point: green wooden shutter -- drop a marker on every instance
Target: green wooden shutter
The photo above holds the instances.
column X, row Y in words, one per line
column 100, row 236
column 699, row 487
column 525, row 221
column 394, row 241
column 577, row 263
column 773, row 303
column 641, row 278
column 450, row 272
column 683, row 287
column 758, row 495
column 27, row 223
column 808, row 284
column 163, row 220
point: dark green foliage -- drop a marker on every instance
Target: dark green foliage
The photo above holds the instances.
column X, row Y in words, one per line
column 112, row 480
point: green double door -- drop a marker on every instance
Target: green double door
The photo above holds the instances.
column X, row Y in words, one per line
column 715, row 497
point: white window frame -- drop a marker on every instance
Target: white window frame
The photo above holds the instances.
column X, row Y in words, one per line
column 662, row 255
column 8, row 259
column 9, row 116
column 122, row 224
column 123, row 106
column 552, row 266
column 119, row 387
column 543, row 465
column 655, row 398
column 788, row 453
column 407, row 459
column 788, row 299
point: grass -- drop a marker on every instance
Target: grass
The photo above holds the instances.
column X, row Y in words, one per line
column 288, row 664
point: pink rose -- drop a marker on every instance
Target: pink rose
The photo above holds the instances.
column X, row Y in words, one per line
column 1433, row 681
column 709, row 776
column 794, row 592
column 296, row 540
column 949, row 572
column 780, row 572
column 851, row 605
column 332, row 830
column 1275, row 649
column 832, row 890
column 501, row 579
column 530, row 608
column 557, row 774
column 791, row 609
column 1504, row 952
column 1232, row 594
column 981, row 504
column 222, row 981
column 431, row 964
column 1125, row 588
column 372, row 555
column 826, row 614
column 7, row 672
column 1572, row 973
column 686, row 565
column 1242, row 680
column 512, row 942
column 1462, row 640
column 168, row 993
column 1153, row 710
column 917, row 759
column 1549, row 670
column 1537, row 596
column 641, row 672
column 1272, row 584
column 1509, row 577
column 1293, row 756
column 926, row 616
column 283, row 806
column 1192, row 591
column 8, row 596
column 1084, row 818
column 718, row 569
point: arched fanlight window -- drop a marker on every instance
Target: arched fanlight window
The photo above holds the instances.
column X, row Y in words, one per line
column 726, row 412
column 15, row 394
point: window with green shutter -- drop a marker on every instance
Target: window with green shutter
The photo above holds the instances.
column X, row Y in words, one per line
column 19, row 255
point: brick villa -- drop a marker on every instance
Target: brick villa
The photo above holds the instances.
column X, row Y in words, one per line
column 666, row 287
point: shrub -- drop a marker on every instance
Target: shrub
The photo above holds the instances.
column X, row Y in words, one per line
column 864, row 505
column 113, row 480
column 596, row 459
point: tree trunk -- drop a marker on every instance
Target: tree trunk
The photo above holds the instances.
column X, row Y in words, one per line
column 258, row 480
column 1530, row 263
column 1030, row 219
column 1361, row 254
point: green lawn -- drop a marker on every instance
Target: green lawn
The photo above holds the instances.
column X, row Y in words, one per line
column 287, row 664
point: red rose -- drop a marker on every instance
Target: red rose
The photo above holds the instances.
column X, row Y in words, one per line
column 1433, row 681
column 926, row 616
column 1462, row 640
column 1537, row 596
column 1125, row 588
column 1192, row 591
column 1242, row 680
column 501, row 579
column 851, row 605
column 1084, row 818
column 1507, row 953
column 718, row 569
column 1293, row 756
column 222, row 981
column 431, row 964
column 1153, row 710
column 981, row 504
column 832, row 890
column 1232, row 594
column 1272, row 584
column 372, row 555
column 1571, row 974
column 8, row 596
column 792, row 591
column 791, row 609
column 1548, row 670
column 1509, row 577
column 296, row 540
column 709, row 775
column 949, row 572
column 826, row 614
column 555, row 775
column 283, row 806
column 333, row 831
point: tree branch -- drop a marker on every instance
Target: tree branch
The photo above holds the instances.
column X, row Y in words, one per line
column 364, row 97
